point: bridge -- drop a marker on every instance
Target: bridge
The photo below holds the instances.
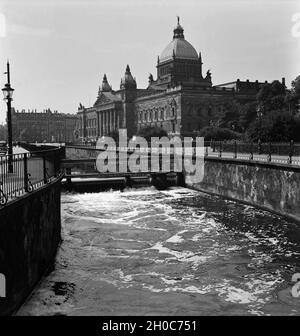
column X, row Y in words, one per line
column 80, row 169
column 77, row 162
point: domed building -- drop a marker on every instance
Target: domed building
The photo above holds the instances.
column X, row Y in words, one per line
column 180, row 63
column 180, row 100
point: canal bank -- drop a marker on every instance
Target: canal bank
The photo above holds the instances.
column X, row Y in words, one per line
column 270, row 186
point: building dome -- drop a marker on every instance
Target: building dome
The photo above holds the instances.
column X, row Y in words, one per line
column 178, row 47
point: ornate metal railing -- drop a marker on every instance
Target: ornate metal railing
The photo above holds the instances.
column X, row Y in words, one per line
column 28, row 172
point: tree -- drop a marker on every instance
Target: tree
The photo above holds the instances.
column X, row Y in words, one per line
column 296, row 87
column 247, row 115
column 218, row 134
column 230, row 115
column 271, row 97
column 277, row 127
column 3, row 133
column 150, row 131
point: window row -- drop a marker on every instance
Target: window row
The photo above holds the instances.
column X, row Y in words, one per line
column 161, row 113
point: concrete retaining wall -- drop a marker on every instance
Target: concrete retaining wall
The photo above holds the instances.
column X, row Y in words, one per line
column 30, row 233
column 271, row 186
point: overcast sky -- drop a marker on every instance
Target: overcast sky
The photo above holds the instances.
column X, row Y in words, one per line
column 60, row 49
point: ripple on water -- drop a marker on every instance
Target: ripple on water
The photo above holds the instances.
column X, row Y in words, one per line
column 175, row 251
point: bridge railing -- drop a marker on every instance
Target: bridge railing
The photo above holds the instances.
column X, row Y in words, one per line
column 23, row 173
column 287, row 153
column 276, row 152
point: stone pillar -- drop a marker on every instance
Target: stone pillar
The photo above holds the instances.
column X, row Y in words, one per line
column 97, row 125
column 101, row 123
column 104, row 123
column 108, row 121
column 114, row 119
column 117, row 120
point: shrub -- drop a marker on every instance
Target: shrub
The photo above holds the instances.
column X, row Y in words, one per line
column 218, row 134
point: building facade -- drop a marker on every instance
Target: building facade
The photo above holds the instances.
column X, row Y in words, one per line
column 181, row 100
column 46, row 126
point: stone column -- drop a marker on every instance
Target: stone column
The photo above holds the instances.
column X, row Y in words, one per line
column 104, row 123
column 101, row 124
column 97, row 125
column 108, row 121
column 114, row 119
column 117, row 119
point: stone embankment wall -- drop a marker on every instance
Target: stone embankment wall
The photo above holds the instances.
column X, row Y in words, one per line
column 30, row 233
column 275, row 187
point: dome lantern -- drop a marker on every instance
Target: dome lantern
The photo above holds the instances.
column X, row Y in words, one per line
column 178, row 48
column 178, row 31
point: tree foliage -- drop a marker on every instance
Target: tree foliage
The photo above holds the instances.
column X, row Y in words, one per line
column 149, row 132
column 296, row 87
column 271, row 97
column 218, row 134
column 2, row 133
column 275, row 127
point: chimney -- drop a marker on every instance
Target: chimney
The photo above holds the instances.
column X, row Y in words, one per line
column 283, row 81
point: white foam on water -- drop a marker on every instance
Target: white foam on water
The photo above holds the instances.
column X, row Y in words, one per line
column 256, row 291
column 176, row 238
column 196, row 237
column 184, row 256
column 273, row 241
column 233, row 248
column 180, row 192
column 169, row 281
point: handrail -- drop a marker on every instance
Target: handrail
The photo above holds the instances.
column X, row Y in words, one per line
column 287, row 153
column 23, row 173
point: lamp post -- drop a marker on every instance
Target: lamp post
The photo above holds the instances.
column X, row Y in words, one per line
column 8, row 92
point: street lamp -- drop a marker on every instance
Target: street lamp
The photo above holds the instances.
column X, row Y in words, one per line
column 8, row 92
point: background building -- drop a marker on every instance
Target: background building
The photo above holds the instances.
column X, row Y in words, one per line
column 46, row 126
column 181, row 100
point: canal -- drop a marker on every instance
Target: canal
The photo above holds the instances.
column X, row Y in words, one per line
column 173, row 252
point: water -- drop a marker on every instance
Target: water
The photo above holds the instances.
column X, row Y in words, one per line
column 174, row 252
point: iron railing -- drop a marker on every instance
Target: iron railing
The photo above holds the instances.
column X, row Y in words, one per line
column 276, row 152
column 30, row 171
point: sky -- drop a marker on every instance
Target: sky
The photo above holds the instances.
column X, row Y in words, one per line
column 59, row 50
